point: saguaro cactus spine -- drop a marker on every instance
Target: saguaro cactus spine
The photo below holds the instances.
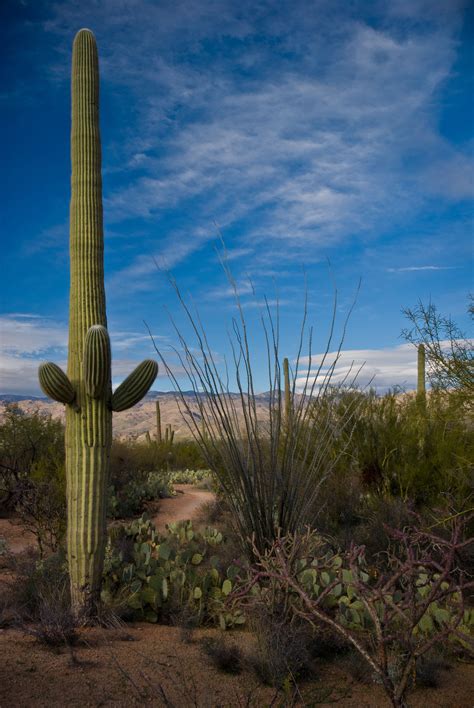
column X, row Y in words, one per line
column 86, row 390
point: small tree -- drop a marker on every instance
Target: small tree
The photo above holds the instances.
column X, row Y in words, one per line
column 31, row 447
column 448, row 350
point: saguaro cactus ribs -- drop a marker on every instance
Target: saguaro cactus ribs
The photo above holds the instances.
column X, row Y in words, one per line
column 86, row 390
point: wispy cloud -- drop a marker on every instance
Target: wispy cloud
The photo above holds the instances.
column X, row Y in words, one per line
column 411, row 269
column 311, row 152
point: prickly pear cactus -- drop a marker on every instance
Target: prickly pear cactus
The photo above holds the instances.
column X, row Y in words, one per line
column 86, row 390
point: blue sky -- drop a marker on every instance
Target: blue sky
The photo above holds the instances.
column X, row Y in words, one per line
column 300, row 131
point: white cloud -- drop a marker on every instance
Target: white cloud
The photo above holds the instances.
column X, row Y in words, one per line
column 30, row 334
column 381, row 368
column 26, row 340
column 411, row 269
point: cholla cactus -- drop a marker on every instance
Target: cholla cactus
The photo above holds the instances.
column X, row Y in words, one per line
column 86, row 390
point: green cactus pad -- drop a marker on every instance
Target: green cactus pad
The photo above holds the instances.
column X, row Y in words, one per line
column 55, row 383
column 135, row 385
column 96, row 360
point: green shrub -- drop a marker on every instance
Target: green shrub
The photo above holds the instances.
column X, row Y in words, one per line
column 397, row 448
column 31, row 452
column 189, row 476
column 130, row 499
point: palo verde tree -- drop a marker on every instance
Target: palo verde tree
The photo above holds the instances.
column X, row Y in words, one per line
column 86, row 390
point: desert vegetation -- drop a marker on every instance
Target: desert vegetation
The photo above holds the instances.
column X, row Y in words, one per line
column 339, row 535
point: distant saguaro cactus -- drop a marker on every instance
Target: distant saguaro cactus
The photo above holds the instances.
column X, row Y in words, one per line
column 86, row 390
column 169, row 434
column 159, row 436
column 420, row 384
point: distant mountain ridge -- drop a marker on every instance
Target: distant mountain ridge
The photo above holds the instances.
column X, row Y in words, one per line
column 137, row 421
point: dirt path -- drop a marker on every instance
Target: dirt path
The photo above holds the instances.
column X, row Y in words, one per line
column 185, row 505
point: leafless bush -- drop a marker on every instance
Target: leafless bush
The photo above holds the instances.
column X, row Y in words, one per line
column 413, row 606
column 41, row 506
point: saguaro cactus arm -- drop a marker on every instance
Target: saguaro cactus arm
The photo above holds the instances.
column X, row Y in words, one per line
column 135, row 385
column 55, row 383
column 96, row 360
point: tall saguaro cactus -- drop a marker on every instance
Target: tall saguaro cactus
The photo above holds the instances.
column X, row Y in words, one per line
column 86, row 390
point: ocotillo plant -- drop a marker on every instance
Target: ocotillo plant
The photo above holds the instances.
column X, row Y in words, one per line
column 86, row 390
column 286, row 375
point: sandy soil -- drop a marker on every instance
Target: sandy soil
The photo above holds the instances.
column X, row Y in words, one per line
column 151, row 665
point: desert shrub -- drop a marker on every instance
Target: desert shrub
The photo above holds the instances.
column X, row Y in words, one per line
column 45, row 602
column 32, row 477
column 429, row 668
column 130, row 499
column 449, row 351
column 186, row 454
column 420, row 454
column 135, row 478
column 31, row 450
column 41, row 507
column 190, row 476
column 155, row 577
column 44, row 581
column 226, row 655
column 55, row 624
column 379, row 515
column 392, row 616
column 282, row 656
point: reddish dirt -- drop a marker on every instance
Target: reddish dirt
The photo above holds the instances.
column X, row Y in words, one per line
column 186, row 505
column 132, row 667
column 17, row 537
